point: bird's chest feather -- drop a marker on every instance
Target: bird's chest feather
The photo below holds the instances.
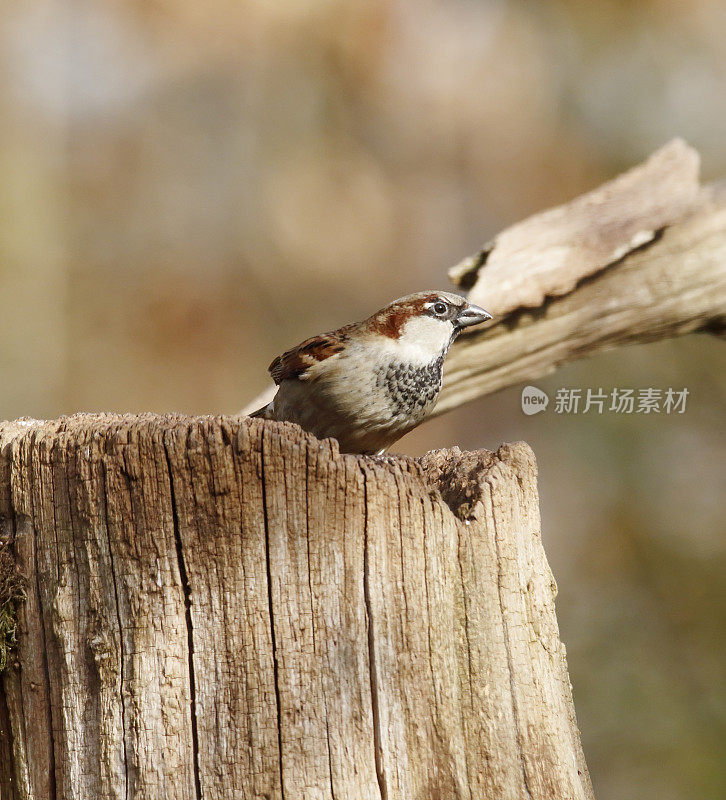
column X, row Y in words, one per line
column 410, row 389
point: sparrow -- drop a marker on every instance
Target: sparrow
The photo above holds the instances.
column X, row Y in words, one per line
column 369, row 383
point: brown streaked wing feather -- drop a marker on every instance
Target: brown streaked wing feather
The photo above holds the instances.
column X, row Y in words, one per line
column 295, row 362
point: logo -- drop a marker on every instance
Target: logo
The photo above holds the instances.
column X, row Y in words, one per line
column 534, row 400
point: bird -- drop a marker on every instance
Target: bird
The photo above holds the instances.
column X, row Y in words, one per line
column 369, row 383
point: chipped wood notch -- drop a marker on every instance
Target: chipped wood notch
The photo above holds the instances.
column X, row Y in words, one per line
column 229, row 608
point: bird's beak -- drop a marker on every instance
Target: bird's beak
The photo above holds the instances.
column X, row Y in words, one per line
column 471, row 315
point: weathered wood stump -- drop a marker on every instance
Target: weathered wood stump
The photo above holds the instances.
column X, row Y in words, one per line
column 226, row 608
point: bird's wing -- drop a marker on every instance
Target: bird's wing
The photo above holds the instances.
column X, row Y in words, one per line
column 296, row 362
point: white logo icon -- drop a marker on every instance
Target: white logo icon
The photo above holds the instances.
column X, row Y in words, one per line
column 534, row 400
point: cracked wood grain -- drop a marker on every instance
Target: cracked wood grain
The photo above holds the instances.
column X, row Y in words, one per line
column 187, row 590
column 229, row 608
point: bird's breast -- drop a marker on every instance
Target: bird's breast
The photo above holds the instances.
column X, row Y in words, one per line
column 363, row 400
column 411, row 389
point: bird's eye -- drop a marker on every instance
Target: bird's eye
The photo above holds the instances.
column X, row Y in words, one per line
column 440, row 308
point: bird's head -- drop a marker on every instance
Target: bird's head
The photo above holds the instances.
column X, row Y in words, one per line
column 426, row 323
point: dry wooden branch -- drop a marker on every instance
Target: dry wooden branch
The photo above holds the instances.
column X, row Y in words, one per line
column 226, row 608
column 641, row 258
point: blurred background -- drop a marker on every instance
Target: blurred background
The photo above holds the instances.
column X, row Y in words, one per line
column 189, row 188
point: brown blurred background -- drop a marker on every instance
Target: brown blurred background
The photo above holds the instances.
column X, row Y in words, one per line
column 188, row 188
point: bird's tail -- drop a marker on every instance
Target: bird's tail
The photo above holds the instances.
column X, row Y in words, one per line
column 262, row 413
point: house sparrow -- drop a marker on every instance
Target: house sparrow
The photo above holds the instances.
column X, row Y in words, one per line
column 369, row 383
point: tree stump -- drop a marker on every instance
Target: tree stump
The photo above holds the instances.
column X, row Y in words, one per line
column 230, row 608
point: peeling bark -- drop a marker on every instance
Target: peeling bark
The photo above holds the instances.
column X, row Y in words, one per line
column 639, row 259
column 229, row 608
column 548, row 254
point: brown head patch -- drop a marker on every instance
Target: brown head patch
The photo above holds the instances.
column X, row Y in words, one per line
column 389, row 321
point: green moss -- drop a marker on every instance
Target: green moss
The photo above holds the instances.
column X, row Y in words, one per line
column 12, row 593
